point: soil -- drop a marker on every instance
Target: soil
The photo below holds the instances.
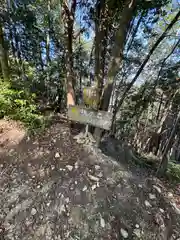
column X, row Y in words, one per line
column 51, row 187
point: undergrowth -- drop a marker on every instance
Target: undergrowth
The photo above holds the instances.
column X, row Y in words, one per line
column 173, row 171
column 20, row 105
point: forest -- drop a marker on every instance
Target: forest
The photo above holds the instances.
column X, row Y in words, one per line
column 114, row 172
column 116, row 56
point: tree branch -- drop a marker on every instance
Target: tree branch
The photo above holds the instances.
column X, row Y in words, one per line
column 163, row 35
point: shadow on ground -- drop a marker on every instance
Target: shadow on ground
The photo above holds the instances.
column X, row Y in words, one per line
column 53, row 188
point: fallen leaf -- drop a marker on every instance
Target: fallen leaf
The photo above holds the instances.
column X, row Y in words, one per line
column 84, row 188
column 93, row 178
column 147, row 204
column 69, row 167
column 152, row 196
column 124, row 233
column 57, row 155
column 102, row 222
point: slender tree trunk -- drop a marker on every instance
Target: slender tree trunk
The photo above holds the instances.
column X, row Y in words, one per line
column 69, row 15
column 3, row 57
column 135, row 31
column 164, row 160
column 159, row 108
column 146, row 60
column 101, row 26
column 48, row 59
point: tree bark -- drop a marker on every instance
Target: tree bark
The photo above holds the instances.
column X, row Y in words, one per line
column 3, row 57
column 70, row 78
column 48, row 59
column 116, row 58
column 117, row 51
column 101, row 26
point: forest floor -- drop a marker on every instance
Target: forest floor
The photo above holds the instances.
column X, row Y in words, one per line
column 53, row 188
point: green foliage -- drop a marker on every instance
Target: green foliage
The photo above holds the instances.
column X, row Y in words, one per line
column 174, row 171
column 19, row 105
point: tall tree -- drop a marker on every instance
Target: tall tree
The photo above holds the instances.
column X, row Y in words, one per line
column 69, row 18
column 128, row 9
column 3, row 56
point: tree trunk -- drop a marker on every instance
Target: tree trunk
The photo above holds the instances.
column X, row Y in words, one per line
column 159, row 107
column 3, row 57
column 116, row 59
column 164, row 160
column 70, row 78
column 117, row 51
column 101, row 26
column 48, row 35
column 135, row 31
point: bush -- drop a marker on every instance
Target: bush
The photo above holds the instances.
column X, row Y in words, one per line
column 173, row 171
column 19, row 105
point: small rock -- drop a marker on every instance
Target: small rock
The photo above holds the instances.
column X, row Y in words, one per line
column 52, row 167
column 41, row 217
column 69, row 167
column 102, row 222
column 147, row 204
column 75, row 182
column 33, row 211
column 33, row 176
column 137, row 232
column 170, row 194
column 48, row 204
column 38, row 186
column 124, row 233
column 157, row 188
column 84, row 188
column 152, row 196
column 29, row 164
column 137, row 225
column 140, row 185
column 57, row 155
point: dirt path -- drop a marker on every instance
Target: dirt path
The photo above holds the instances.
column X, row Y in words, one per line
column 53, row 188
